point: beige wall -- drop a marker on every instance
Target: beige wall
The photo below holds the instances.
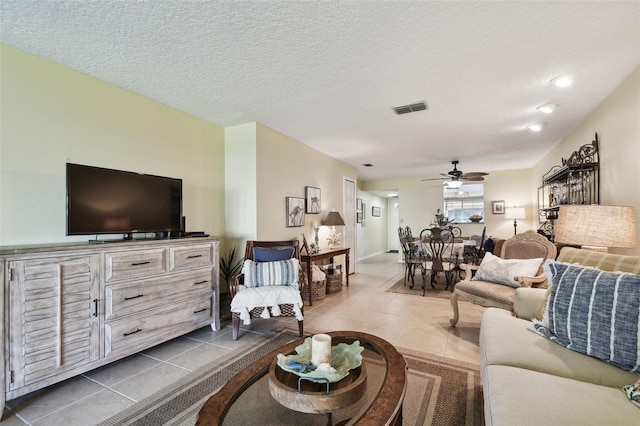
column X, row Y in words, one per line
column 372, row 239
column 51, row 115
column 617, row 122
column 285, row 166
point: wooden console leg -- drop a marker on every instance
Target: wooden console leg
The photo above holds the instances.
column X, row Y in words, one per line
column 301, row 328
column 235, row 328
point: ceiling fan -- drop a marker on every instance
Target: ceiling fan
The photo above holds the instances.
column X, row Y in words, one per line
column 455, row 177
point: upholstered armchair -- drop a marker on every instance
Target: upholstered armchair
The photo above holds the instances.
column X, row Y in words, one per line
column 269, row 285
column 496, row 278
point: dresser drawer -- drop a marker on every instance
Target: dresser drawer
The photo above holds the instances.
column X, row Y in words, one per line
column 132, row 297
column 135, row 263
column 137, row 332
column 189, row 257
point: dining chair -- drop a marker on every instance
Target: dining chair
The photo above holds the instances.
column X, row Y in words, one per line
column 473, row 253
column 437, row 246
column 411, row 254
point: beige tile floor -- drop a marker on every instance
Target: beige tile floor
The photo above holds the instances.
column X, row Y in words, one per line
column 407, row 321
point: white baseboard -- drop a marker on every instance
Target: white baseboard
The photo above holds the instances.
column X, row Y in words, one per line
column 371, row 255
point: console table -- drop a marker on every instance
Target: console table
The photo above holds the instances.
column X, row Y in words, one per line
column 327, row 254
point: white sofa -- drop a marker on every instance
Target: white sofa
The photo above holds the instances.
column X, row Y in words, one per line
column 530, row 380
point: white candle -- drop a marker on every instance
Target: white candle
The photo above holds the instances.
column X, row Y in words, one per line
column 320, row 349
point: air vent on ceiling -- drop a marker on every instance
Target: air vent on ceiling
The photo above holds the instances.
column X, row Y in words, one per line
column 368, row 165
column 404, row 109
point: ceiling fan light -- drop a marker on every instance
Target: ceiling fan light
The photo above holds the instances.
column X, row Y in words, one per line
column 454, row 184
column 547, row 108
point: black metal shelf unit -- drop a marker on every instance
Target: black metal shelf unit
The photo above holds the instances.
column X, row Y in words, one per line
column 576, row 181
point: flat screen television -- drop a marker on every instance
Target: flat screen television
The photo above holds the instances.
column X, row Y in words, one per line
column 107, row 201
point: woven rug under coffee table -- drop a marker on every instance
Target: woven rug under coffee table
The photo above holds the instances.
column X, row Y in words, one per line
column 440, row 391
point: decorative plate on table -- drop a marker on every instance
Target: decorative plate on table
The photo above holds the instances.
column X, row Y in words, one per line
column 344, row 358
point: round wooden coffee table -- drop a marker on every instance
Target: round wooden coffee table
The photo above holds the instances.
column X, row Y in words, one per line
column 246, row 398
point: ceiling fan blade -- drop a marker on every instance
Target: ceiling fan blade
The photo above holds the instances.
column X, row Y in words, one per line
column 440, row 178
column 473, row 179
column 475, row 174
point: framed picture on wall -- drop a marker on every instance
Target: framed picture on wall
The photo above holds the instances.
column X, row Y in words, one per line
column 358, row 204
column 497, row 207
column 359, row 217
column 375, row 211
column 295, row 211
column 312, row 196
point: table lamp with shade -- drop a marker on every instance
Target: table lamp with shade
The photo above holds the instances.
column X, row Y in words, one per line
column 333, row 219
column 596, row 227
column 515, row 213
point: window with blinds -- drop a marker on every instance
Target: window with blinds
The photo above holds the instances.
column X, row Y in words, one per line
column 464, row 202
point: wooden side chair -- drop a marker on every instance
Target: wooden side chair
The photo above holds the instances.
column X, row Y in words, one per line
column 270, row 284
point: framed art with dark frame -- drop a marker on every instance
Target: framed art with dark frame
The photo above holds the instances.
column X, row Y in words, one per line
column 359, row 217
column 295, row 211
column 497, row 207
column 312, row 195
column 375, row 211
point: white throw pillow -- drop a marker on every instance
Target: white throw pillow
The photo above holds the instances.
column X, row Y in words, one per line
column 502, row 271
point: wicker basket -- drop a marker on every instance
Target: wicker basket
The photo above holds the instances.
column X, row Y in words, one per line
column 334, row 283
column 319, row 290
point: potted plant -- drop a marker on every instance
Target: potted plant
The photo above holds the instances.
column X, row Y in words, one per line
column 441, row 219
column 229, row 267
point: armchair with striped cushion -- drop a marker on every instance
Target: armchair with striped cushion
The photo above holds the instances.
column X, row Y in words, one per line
column 270, row 284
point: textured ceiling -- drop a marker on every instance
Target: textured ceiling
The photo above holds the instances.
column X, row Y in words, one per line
column 328, row 73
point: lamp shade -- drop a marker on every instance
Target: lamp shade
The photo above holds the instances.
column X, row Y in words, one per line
column 595, row 225
column 333, row 219
column 515, row 213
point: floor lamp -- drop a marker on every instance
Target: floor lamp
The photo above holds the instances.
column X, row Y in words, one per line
column 515, row 213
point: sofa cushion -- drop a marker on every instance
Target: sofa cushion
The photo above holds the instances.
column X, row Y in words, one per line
column 597, row 259
column 515, row 396
column 594, row 312
column 604, row 261
column 503, row 271
column 259, row 274
column 506, row 340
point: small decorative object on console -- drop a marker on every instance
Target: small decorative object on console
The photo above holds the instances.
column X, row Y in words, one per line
column 475, row 218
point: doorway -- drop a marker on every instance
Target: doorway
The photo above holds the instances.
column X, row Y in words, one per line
column 393, row 221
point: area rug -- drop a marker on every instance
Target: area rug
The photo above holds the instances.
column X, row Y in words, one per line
column 440, row 391
column 404, row 288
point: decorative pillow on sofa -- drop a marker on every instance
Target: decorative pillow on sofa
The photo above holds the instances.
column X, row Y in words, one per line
column 259, row 274
column 502, row 271
column 272, row 254
column 593, row 312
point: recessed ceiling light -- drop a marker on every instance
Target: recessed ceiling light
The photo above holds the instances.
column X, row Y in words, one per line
column 535, row 127
column 547, row 108
column 562, row 81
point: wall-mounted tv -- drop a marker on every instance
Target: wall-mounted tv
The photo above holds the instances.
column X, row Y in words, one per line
column 107, row 201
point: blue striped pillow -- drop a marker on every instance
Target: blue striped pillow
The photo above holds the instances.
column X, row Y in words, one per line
column 259, row 274
column 594, row 312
